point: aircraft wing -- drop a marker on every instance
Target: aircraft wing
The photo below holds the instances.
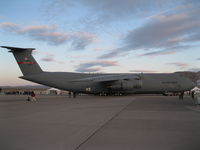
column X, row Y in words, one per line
column 108, row 78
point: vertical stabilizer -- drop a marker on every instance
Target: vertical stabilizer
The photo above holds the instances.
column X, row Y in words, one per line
column 25, row 60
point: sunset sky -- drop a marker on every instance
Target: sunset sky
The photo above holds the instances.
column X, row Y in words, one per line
column 101, row 36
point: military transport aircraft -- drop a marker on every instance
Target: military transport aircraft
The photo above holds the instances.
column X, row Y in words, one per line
column 108, row 84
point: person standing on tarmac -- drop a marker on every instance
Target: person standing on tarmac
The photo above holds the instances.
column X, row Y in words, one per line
column 33, row 96
column 192, row 94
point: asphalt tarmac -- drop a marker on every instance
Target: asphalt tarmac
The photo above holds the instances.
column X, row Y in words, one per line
column 99, row 123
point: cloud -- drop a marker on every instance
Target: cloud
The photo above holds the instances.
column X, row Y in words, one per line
column 106, row 11
column 184, row 66
column 49, row 34
column 167, row 51
column 111, row 54
column 95, row 66
column 51, row 58
column 177, row 30
column 198, row 58
column 145, row 71
column 10, row 26
column 48, row 59
column 179, row 64
column 109, row 10
column 160, row 52
column 194, row 69
column 88, row 69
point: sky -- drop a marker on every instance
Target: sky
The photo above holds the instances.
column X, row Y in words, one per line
column 107, row 36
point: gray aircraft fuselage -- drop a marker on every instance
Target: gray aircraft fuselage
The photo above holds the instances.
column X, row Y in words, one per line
column 147, row 83
column 92, row 83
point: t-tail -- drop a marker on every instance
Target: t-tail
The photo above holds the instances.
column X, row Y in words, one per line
column 25, row 60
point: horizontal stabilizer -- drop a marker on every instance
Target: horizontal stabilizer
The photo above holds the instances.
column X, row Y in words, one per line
column 17, row 48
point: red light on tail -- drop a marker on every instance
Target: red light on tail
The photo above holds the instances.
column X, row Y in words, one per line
column 29, row 63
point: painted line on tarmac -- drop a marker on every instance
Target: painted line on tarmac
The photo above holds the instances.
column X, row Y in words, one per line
column 103, row 125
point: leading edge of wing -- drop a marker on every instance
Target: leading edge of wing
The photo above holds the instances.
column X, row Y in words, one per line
column 108, row 78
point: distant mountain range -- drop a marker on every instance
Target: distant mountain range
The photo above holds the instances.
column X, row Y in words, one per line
column 26, row 87
column 194, row 76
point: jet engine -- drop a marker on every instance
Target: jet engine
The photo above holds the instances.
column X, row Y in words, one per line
column 126, row 84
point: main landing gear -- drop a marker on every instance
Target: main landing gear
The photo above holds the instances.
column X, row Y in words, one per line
column 72, row 94
column 181, row 95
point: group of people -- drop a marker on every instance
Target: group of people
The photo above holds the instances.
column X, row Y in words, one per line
column 31, row 96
